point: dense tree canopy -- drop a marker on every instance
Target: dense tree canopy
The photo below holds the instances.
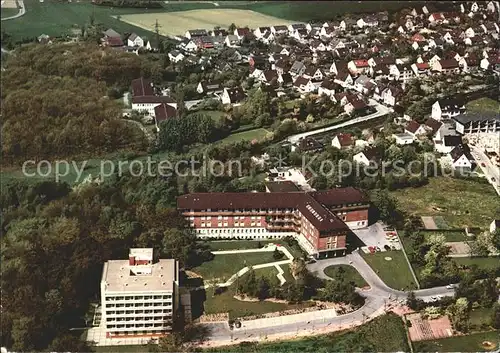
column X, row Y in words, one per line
column 54, row 103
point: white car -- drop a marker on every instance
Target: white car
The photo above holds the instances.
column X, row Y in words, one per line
column 449, row 286
column 434, row 299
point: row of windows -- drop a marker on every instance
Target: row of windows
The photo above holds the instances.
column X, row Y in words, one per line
column 254, row 210
column 135, row 325
column 126, row 312
column 232, row 231
column 139, row 297
column 126, row 333
column 136, row 305
column 139, row 318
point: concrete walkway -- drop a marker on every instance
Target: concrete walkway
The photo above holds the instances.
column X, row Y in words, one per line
column 267, row 248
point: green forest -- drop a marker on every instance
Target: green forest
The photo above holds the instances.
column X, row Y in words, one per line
column 55, row 104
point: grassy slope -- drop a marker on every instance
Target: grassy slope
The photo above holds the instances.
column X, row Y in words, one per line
column 350, row 273
column 481, row 262
column 7, row 12
column 483, row 105
column 395, row 273
column 464, row 202
column 385, row 334
column 469, row 343
column 257, row 134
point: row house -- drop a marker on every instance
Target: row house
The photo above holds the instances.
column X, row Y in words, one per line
column 420, row 69
column 320, row 221
column 447, row 67
column 401, row 72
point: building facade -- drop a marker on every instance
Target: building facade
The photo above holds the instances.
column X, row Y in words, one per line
column 139, row 296
column 320, row 220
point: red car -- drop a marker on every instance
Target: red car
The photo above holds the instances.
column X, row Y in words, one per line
column 483, row 165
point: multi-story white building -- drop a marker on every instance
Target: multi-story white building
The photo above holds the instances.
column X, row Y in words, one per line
column 139, row 296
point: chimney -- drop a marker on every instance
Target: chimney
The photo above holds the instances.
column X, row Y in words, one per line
column 131, row 260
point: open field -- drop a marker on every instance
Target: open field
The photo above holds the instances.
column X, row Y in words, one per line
column 450, row 236
column 349, row 273
column 483, row 105
column 383, row 334
column 57, row 18
column 395, row 273
column 178, row 23
column 9, row 11
column 468, row 343
column 461, row 202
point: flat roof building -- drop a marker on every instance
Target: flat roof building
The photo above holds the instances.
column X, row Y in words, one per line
column 139, row 296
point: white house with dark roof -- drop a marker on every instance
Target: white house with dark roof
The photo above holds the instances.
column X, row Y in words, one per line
column 447, row 108
column 461, row 157
column 233, row 95
column 176, row 56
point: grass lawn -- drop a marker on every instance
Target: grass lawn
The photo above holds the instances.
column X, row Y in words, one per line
column 481, row 262
column 450, row 236
column 480, row 317
column 216, row 115
column 225, row 303
column 383, row 334
column 256, row 134
column 349, row 272
column 7, row 12
column 224, row 266
column 124, row 349
column 251, row 244
column 395, row 273
column 468, row 343
column 483, row 105
column 461, row 202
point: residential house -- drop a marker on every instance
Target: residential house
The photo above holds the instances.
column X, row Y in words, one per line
column 343, row 141
column 469, row 63
column 369, row 156
column 381, row 60
column 495, row 224
column 209, row 87
column 218, row 32
column 279, row 30
column 448, row 66
column 358, row 67
column 491, row 63
column 232, row 41
column 328, row 88
column 436, row 18
column 401, row 72
column 176, row 56
column 314, row 73
column 298, row 68
column 361, row 84
column 281, row 66
column 344, row 79
column 347, row 24
column 446, row 139
column 338, row 65
column 391, row 95
column 285, row 79
column 233, row 95
column 434, row 60
column 447, row 108
column 307, row 145
column 379, row 72
column 367, row 21
column 420, row 69
column 241, row 32
column 188, row 45
column 162, row 113
column 193, row 33
column 490, row 27
column 299, row 34
column 304, row 85
column 461, row 157
column 260, row 31
column 134, row 40
column 354, row 104
column 415, row 129
column 403, row 138
column 296, row 26
column 268, row 77
column 317, row 45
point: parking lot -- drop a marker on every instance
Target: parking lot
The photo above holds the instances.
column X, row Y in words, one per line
column 376, row 236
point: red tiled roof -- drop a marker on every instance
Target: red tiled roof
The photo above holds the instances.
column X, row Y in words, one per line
column 361, row 63
column 152, row 99
column 412, row 126
column 422, row 66
column 164, row 112
column 142, row 87
column 321, row 218
column 345, row 139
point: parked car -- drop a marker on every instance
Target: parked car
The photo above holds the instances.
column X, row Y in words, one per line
column 450, row 286
column 483, row 165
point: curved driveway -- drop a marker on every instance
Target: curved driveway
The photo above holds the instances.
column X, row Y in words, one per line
column 377, row 298
column 22, row 11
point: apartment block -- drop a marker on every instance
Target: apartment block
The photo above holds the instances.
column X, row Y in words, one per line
column 139, row 296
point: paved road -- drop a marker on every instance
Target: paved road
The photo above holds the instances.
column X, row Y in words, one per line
column 22, row 11
column 377, row 299
column 490, row 170
column 381, row 110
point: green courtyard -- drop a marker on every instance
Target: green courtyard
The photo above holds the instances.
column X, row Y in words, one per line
column 348, row 272
column 394, row 272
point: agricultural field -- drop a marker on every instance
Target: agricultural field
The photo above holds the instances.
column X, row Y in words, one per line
column 178, row 23
column 460, row 202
